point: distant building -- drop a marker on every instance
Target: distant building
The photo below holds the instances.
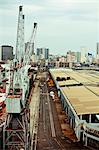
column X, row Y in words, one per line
column 43, row 53
column 57, row 61
column 84, row 53
column 89, row 59
column 47, row 53
column 97, row 53
column 62, row 59
column 34, row 58
column 42, row 56
column 97, row 49
column 78, row 56
column 31, row 47
column 6, row 52
column 71, row 57
column 52, row 61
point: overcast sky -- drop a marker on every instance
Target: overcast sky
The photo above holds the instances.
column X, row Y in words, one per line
column 62, row 24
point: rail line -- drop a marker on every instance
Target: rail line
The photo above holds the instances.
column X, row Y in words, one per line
column 49, row 135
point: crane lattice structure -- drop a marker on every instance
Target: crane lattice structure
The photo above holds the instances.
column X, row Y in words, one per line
column 16, row 132
column 20, row 38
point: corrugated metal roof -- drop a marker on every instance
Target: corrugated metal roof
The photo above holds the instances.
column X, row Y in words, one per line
column 67, row 82
column 95, row 89
column 59, row 74
column 78, row 77
column 82, row 100
column 90, row 77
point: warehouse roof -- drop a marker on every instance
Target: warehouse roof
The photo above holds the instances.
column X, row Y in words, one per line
column 59, row 74
column 84, row 76
column 82, row 100
column 94, row 89
column 79, row 77
column 67, row 82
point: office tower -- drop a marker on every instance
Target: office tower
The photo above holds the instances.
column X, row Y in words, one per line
column 97, row 53
column 71, row 56
column 6, row 52
column 42, row 53
column 97, row 49
column 84, row 52
column 78, row 56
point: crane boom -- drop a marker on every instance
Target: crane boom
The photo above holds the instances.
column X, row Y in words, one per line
column 28, row 53
column 20, row 37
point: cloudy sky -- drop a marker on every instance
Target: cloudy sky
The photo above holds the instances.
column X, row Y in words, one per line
column 62, row 24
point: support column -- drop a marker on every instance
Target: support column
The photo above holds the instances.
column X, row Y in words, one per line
column 59, row 93
column 86, row 140
column 3, row 139
column 80, row 117
column 67, row 110
column 90, row 118
column 83, row 136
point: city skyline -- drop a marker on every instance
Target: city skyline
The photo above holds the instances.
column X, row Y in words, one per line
column 62, row 25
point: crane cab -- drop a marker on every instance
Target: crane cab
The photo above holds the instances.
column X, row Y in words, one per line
column 14, row 101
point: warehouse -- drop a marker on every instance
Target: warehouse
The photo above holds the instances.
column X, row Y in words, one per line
column 79, row 94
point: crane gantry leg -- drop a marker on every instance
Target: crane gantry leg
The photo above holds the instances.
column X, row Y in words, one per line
column 16, row 132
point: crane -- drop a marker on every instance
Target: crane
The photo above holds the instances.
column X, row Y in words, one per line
column 16, row 132
column 28, row 53
column 20, row 37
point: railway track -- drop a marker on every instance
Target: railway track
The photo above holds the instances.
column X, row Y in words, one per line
column 49, row 135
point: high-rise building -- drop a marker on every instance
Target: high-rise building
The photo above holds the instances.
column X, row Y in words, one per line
column 31, row 47
column 84, row 53
column 43, row 53
column 71, row 57
column 47, row 53
column 6, row 52
column 97, row 53
column 78, row 56
column 97, row 49
column 89, row 58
